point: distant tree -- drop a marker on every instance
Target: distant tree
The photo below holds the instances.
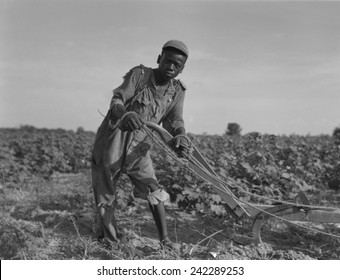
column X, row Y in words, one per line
column 27, row 128
column 80, row 129
column 336, row 135
column 233, row 129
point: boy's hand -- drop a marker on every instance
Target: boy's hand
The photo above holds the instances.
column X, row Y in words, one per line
column 182, row 143
column 131, row 122
column 180, row 140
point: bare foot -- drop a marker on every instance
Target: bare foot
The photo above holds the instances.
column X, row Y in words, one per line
column 167, row 243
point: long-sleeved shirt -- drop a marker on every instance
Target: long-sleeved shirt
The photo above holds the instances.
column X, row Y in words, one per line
column 139, row 93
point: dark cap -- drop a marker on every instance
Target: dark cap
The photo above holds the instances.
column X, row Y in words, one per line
column 179, row 45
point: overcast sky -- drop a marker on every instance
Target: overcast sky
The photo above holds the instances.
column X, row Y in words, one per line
column 270, row 66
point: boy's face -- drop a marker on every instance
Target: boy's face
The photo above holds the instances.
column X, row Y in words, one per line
column 170, row 64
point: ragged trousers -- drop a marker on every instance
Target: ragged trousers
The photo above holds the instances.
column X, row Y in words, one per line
column 114, row 153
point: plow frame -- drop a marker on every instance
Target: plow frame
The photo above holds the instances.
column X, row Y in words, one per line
column 299, row 211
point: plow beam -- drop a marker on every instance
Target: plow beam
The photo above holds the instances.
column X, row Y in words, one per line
column 291, row 213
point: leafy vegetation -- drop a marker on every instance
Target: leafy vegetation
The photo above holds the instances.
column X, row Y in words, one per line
column 47, row 206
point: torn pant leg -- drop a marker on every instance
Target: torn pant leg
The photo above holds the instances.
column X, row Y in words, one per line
column 108, row 226
column 104, row 189
column 142, row 175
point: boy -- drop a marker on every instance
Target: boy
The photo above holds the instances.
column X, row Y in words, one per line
column 122, row 146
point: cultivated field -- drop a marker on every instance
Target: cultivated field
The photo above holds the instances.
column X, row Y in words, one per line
column 47, row 204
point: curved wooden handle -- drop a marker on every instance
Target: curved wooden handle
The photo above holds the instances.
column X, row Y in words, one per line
column 161, row 132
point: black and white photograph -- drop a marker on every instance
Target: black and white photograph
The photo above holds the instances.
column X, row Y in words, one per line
column 173, row 130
